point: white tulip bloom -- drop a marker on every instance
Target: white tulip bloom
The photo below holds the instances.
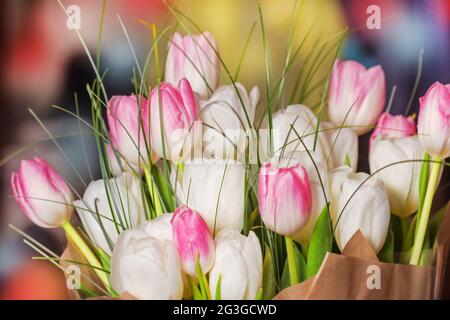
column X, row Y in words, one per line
column 343, row 142
column 401, row 180
column 215, row 190
column 367, row 210
column 228, row 115
column 286, row 139
column 146, row 267
column 103, row 223
column 239, row 265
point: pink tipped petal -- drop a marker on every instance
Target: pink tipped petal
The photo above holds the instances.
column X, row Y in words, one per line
column 193, row 239
column 356, row 95
column 393, row 126
column 285, row 198
column 42, row 193
column 434, row 120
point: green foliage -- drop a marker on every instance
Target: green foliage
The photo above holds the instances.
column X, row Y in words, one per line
column 321, row 242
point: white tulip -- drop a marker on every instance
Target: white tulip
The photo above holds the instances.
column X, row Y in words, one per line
column 368, row 209
column 103, row 223
column 286, row 139
column 226, row 116
column 161, row 229
column 215, row 190
column 239, row 265
column 146, row 267
column 401, row 180
column 317, row 178
column 343, row 142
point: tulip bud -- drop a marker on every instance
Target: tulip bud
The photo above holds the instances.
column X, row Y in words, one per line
column 239, row 265
column 433, row 124
column 216, row 191
column 318, row 178
column 42, row 193
column 285, row 197
column 226, row 116
column 193, row 240
column 367, row 210
column 180, row 111
column 286, row 139
column 393, row 127
column 356, row 95
column 343, row 143
column 193, row 57
column 125, row 128
column 401, row 180
column 108, row 207
column 146, row 267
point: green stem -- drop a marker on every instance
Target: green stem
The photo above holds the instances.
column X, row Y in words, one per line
column 153, row 193
column 425, row 213
column 293, row 275
column 73, row 235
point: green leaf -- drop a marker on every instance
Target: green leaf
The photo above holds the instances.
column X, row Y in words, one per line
column 218, row 295
column 260, row 295
column 104, row 259
column 426, row 256
column 300, row 263
column 423, row 184
column 347, row 161
column 435, row 223
column 165, row 189
column 409, row 239
column 321, row 242
column 269, row 279
column 387, row 252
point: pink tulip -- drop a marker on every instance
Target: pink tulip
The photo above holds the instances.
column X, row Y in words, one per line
column 42, row 193
column 193, row 57
column 125, row 128
column 180, row 110
column 356, row 95
column 393, row 127
column 285, row 197
column 193, row 240
column 433, row 124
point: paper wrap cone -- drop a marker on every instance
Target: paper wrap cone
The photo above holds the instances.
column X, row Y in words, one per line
column 358, row 274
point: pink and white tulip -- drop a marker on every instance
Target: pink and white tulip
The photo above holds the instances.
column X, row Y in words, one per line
column 356, row 95
column 391, row 126
column 285, row 197
column 193, row 240
column 125, row 128
column 433, row 124
column 180, row 111
column 42, row 193
column 193, row 57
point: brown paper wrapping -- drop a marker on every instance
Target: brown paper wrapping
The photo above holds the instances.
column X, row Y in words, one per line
column 345, row 276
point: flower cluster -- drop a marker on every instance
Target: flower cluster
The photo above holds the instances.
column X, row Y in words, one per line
column 186, row 209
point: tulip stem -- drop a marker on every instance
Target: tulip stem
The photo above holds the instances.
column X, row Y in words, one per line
column 153, row 193
column 425, row 213
column 293, row 275
column 73, row 235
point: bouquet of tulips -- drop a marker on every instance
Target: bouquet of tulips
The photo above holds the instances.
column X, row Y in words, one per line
column 200, row 200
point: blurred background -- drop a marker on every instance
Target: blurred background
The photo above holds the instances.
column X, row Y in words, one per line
column 42, row 63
